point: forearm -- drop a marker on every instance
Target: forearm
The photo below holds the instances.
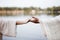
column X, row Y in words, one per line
column 20, row 22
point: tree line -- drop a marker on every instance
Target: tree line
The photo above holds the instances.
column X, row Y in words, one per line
column 54, row 10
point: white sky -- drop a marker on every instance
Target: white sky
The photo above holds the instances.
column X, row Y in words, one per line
column 29, row 3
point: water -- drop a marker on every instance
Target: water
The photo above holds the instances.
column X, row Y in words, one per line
column 29, row 31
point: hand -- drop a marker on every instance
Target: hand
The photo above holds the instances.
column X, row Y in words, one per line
column 34, row 20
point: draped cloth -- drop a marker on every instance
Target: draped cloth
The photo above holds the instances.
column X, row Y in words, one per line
column 8, row 28
column 51, row 28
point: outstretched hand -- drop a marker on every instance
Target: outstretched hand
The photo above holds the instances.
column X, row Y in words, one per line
column 34, row 20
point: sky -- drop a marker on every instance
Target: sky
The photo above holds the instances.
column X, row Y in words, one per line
column 29, row 3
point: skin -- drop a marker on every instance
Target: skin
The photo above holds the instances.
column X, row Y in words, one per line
column 21, row 22
column 35, row 20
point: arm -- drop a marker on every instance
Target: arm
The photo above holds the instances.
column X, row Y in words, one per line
column 21, row 22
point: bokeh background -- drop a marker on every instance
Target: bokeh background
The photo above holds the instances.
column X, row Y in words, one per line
column 25, row 9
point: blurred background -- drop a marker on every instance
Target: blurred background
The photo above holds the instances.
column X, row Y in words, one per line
column 29, row 7
column 25, row 9
column 16, row 11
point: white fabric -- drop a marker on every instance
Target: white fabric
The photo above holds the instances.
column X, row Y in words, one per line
column 8, row 28
column 52, row 28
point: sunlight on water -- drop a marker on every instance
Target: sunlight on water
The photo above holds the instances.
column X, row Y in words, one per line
column 29, row 31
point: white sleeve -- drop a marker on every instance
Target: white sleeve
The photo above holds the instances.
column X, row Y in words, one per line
column 9, row 28
column 52, row 28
